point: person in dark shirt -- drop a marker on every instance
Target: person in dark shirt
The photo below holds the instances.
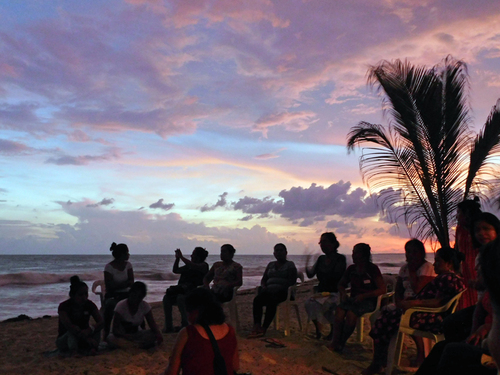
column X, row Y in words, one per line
column 329, row 269
column 367, row 284
column 192, row 274
column 75, row 333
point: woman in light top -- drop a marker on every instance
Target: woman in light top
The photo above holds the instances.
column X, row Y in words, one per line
column 329, row 269
column 278, row 277
column 226, row 275
column 128, row 319
column 118, row 278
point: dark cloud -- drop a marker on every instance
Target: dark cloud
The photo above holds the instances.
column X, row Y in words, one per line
column 161, row 205
column 220, row 203
column 13, row 148
column 246, row 218
column 310, row 205
column 83, row 159
column 104, row 202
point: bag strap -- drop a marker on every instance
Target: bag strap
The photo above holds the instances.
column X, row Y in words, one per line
column 217, row 352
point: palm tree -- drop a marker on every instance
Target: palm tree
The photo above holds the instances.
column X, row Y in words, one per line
column 427, row 159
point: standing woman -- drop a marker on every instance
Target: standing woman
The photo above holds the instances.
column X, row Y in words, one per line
column 367, row 284
column 226, row 275
column 466, row 211
column 329, row 269
column 118, row 278
column 193, row 351
column 75, row 332
column 277, row 278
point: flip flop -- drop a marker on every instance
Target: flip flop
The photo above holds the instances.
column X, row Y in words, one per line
column 255, row 335
column 274, row 343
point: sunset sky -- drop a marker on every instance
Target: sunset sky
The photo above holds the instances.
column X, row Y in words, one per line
column 166, row 124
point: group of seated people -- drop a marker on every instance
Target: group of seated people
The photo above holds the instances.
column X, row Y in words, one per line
column 419, row 284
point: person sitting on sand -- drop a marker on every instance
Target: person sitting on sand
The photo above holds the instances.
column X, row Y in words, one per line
column 226, row 275
column 436, row 293
column 118, row 278
column 192, row 274
column 277, row 278
column 367, row 284
column 75, row 333
column 329, row 269
column 129, row 317
column 193, row 350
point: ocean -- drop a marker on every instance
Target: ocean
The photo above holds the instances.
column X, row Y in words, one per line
column 35, row 284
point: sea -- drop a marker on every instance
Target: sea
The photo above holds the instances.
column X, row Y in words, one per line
column 34, row 285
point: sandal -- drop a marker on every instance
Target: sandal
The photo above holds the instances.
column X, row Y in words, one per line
column 255, row 335
column 274, row 343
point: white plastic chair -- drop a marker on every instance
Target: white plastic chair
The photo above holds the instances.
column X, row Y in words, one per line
column 287, row 305
column 390, row 284
column 99, row 284
column 232, row 306
column 396, row 343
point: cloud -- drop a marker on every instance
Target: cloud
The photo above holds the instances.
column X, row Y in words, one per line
column 8, row 147
column 104, row 202
column 271, row 155
column 292, row 121
column 312, row 204
column 83, row 159
column 144, row 233
column 220, row 203
column 161, row 205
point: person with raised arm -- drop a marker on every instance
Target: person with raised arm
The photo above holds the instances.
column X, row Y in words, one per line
column 192, row 274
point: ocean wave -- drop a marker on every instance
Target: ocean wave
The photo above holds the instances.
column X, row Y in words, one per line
column 36, row 278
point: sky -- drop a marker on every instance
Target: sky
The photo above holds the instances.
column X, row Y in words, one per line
column 175, row 124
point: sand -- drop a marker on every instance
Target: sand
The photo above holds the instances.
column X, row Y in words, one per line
column 23, row 343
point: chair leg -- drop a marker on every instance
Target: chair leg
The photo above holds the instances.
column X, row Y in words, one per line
column 287, row 318
column 394, row 352
column 298, row 317
column 359, row 328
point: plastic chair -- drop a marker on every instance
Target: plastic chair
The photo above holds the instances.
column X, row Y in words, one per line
column 396, row 343
column 390, row 284
column 99, row 284
column 287, row 305
column 232, row 306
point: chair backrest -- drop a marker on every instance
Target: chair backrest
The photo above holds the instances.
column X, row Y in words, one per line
column 452, row 304
column 99, row 284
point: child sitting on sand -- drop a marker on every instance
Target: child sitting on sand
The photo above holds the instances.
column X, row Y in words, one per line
column 75, row 333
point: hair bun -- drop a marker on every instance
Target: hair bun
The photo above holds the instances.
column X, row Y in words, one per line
column 74, row 280
column 113, row 246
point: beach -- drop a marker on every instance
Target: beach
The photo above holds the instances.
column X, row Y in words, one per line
column 23, row 343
